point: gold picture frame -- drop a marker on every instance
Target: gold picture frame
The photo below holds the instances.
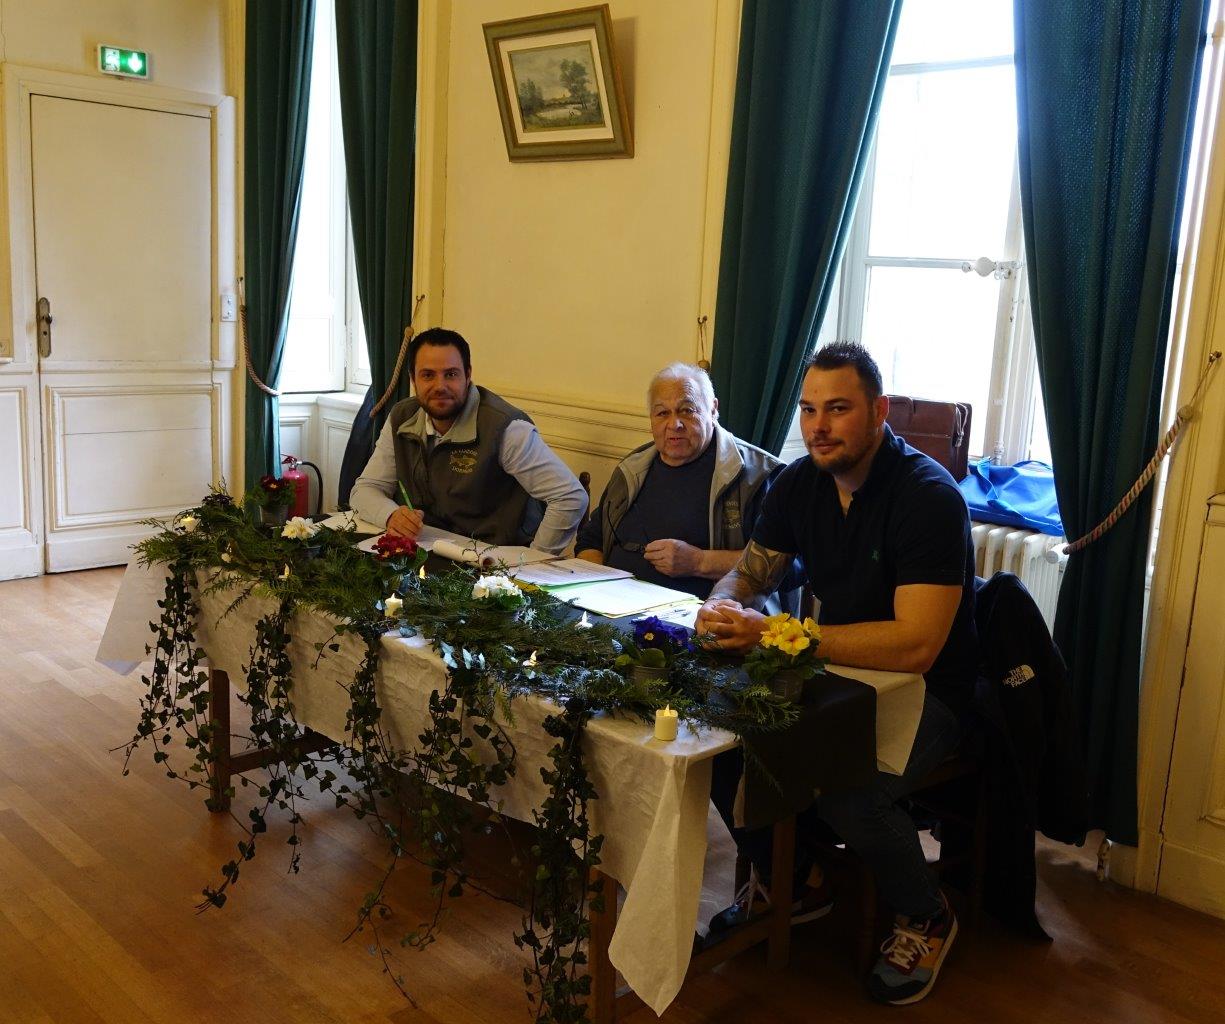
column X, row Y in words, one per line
column 558, row 86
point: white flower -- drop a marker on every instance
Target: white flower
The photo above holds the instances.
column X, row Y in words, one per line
column 299, row 529
column 189, row 523
column 488, row 587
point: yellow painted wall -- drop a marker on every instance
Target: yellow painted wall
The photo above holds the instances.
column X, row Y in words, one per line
column 576, row 280
column 184, row 37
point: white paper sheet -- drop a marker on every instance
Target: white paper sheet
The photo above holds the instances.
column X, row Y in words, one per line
column 345, row 521
column 620, row 597
column 566, row 572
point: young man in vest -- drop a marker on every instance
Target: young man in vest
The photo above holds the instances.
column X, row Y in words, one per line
column 470, row 462
column 884, row 536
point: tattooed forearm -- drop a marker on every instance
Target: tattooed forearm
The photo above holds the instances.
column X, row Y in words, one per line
column 756, row 576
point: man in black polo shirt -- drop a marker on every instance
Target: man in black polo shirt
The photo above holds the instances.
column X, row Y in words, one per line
column 884, row 536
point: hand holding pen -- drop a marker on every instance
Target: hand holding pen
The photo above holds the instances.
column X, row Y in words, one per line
column 405, row 521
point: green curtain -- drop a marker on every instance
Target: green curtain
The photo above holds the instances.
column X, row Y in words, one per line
column 278, row 71
column 1106, row 95
column 808, row 88
column 377, row 45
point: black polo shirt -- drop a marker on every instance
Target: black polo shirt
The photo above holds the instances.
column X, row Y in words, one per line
column 907, row 523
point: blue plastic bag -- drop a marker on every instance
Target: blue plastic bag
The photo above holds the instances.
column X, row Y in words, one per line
column 1019, row 495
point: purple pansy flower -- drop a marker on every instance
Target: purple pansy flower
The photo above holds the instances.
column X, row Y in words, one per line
column 654, row 632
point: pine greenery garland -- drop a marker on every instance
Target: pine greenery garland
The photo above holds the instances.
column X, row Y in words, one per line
column 424, row 802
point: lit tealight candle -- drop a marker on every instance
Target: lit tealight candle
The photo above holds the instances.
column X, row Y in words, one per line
column 666, row 724
column 584, row 622
column 531, row 662
column 392, row 606
column 421, row 572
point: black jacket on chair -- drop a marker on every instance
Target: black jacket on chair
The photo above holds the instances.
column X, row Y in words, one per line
column 1032, row 752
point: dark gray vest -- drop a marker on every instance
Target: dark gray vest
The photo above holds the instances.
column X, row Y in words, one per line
column 460, row 485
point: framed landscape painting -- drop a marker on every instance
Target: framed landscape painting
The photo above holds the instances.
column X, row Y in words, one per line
column 558, row 86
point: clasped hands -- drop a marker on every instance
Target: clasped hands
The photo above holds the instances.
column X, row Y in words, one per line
column 735, row 628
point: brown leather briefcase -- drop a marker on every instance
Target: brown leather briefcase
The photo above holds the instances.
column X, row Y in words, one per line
column 938, row 429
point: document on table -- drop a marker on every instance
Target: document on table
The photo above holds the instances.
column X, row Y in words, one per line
column 615, row 598
column 345, row 521
column 459, row 548
column 566, row 572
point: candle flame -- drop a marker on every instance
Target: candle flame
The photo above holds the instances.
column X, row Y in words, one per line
column 421, row 572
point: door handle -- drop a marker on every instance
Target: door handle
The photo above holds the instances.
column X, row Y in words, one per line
column 44, row 327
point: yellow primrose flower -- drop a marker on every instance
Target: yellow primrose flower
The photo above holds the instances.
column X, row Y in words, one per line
column 794, row 645
column 812, row 629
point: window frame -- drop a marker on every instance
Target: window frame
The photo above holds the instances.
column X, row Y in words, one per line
column 1013, row 386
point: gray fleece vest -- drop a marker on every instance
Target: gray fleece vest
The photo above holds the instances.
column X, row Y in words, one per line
column 460, row 484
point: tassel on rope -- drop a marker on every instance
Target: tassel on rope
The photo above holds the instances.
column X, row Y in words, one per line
column 246, row 349
column 1184, row 415
column 703, row 362
column 395, row 373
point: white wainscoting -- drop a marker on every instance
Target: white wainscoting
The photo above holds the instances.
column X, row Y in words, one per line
column 586, row 435
column 165, row 435
column 13, row 511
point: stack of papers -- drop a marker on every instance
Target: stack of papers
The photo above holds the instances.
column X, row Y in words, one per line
column 588, row 585
column 615, row 598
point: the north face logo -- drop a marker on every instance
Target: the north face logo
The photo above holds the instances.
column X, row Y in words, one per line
column 1018, row 676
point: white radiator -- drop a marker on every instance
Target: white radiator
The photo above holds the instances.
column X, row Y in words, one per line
column 1037, row 558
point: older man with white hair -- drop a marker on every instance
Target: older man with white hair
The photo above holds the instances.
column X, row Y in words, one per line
column 679, row 511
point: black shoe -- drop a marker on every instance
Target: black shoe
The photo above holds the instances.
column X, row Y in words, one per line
column 753, row 902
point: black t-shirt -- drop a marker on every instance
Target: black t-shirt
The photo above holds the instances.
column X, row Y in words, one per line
column 907, row 523
column 674, row 503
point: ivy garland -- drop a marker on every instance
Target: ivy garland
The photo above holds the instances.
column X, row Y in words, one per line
column 425, row 802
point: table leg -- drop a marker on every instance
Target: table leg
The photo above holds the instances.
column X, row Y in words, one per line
column 603, row 1005
column 782, row 867
column 219, row 719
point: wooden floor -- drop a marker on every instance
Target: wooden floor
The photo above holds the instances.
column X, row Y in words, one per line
column 99, row 875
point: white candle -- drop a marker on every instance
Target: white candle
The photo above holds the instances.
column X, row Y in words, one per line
column 393, row 605
column 189, row 524
column 666, row 724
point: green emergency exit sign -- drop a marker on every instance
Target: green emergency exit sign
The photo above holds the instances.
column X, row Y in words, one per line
column 114, row 60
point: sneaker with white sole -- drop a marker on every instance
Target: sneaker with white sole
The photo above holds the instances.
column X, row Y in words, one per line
column 911, row 958
column 753, row 901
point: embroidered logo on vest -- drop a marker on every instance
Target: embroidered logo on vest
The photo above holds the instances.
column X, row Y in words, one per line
column 463, row 461
column 731, row 514
column 1019, row 675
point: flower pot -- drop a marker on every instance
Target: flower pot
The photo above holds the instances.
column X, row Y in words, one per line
column 647, row 673
column 787, row 683
column 273, row 515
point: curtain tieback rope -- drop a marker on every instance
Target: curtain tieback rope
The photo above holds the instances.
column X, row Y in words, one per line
column 1185, row 413
column 246, row 349
column 395, row 373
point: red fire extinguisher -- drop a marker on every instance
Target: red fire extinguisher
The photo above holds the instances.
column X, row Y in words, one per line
column 292, row 472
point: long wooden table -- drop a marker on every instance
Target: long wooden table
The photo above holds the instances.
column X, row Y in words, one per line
column 655, row 830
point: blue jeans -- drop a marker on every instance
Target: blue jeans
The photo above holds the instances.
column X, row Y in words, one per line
column 869, row 820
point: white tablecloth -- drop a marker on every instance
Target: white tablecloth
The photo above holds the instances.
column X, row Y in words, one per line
column 654, row 827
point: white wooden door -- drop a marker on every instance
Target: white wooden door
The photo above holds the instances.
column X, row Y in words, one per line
column 1192, row 867
column 123, row 247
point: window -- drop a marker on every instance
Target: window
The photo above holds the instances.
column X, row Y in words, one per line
column 325, row 347
column 933, row 281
